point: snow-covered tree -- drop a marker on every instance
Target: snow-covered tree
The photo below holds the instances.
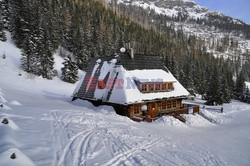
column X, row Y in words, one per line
column 213, row 92
column 4, row 5
column 2, row 33
column 46, row 57
column 26, row 61
column 69, row 71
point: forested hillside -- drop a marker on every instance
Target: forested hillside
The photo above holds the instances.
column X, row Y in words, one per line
column 88, row 29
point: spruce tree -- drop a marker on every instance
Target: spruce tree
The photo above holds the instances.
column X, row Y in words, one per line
column 247, row 95
column 5, row 13
column 225, row 90
column 47, row 62
column 2, row 33
column 27, row 53
column 239, row 86
column 213, row 92
column 20, row 16
column 69, row 71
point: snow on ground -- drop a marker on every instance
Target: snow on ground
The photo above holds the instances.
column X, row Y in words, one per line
column 46, row 128
column 196, row 120
column 170, row 121
column 14, row 102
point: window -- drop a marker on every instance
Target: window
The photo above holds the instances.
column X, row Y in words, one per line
column 164, row 86
column 169, row 104
column 151, row 87
column 174, row 103
column 164, row 106
column 144, row 87
column 170, row 86
column 157, row 86
column 159, row 105
column 136, row 109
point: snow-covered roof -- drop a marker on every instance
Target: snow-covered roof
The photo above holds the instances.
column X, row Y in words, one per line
column 116, row 71
column 129, row 94
column 157, row 75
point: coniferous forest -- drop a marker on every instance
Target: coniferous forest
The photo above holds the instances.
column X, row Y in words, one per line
column 89, row 29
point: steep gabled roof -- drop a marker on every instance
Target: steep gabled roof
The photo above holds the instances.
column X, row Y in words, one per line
column 119, row 67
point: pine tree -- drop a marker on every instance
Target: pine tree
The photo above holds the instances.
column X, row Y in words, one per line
column 213, row 92
column 239, row 86
column 225, row 90
column 247, row 95
column 27, row 53
column 69, row 71
column 47, row 60
column 20, row 16
column 2, row 33
column 4, row 6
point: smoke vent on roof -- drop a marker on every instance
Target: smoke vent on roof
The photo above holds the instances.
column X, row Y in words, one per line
column 132, row 53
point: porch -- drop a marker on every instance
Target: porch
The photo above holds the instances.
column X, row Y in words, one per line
column 153, row 114
column 184, row 109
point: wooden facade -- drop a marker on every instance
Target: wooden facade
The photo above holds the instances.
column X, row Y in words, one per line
column 172, row 107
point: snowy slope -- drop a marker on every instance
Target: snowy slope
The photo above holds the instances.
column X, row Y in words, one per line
column 46, row 128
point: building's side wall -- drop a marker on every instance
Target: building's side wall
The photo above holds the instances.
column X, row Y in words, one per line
column 154, row 108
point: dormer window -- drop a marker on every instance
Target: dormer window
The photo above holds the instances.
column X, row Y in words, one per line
column 170, row 86
column 150, row 87
column 158, row 86
column 164, row 86
column 144, row 87
column 147, row 87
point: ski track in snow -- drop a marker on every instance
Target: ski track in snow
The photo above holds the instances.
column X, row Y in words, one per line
column 89, row 137
column 86, row 147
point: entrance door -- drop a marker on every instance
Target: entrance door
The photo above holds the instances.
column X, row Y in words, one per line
column 152, row 110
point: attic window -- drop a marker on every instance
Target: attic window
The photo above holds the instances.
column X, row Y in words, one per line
column 144, row 87
column 164, row 86
column 170, row 86
column 151, row 87
column 158, row 86
column 147, row 87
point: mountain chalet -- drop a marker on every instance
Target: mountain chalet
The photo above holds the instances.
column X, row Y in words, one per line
column 137, row 86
